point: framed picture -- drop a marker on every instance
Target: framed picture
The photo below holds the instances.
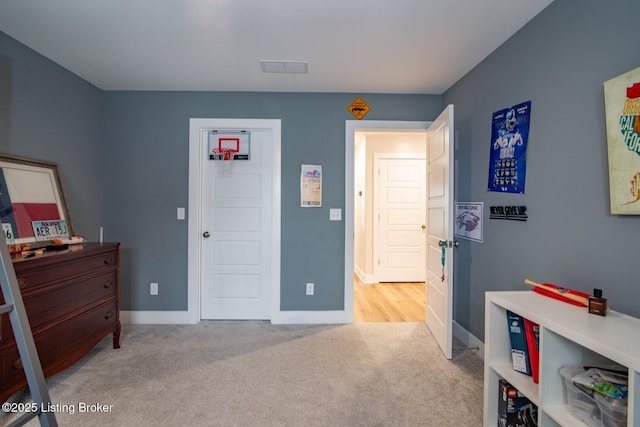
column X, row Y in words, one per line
column 469, row 220
column 33, row 207
column 622, row 107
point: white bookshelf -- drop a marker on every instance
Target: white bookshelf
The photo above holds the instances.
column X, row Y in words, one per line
column 569, row 335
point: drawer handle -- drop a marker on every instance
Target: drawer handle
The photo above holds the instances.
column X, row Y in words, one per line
column 108, row 315
column 17, row 365
column 22, row 282
column 108, row 260
column 108, row 284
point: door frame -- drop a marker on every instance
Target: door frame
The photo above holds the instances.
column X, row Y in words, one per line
column 194, row 279
column 351, row 127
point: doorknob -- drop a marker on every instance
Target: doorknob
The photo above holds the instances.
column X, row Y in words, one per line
column 206, row 234
column 423, row 226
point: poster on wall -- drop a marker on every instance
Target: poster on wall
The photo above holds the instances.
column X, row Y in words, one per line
column 311, row 186
column 622, row 105
column 469, row 220
column 509, row 137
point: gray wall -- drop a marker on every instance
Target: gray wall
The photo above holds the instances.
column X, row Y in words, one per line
column 559, row 61
column 146, row 136
column 49, row 114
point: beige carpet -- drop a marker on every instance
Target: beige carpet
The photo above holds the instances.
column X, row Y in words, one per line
column 257, row 374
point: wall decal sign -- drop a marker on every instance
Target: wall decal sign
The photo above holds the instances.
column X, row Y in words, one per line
column 516, row 213
column 622, row 105
column 359, row 108
column 509, row 137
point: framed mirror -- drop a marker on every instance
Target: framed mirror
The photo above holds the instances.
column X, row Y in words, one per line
column 33, row 207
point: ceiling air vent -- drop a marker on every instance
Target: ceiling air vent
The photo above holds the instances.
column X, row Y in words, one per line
column 299, row 67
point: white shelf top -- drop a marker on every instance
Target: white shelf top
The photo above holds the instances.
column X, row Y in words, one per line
column 615, row 336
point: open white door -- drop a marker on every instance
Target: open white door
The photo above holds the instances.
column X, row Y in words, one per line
column 440, row 197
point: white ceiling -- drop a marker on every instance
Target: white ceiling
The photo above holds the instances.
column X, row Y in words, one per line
column 365, row 46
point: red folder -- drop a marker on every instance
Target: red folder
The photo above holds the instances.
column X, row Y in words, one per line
column 532, row 333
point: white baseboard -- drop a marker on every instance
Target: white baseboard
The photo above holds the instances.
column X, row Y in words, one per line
column 182, row 317
column 366, row 279
column 154, row 317
column 468, row 339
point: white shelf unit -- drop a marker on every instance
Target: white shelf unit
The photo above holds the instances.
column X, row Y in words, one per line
column 569, row 335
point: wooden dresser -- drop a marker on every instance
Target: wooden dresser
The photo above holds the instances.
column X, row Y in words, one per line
column 72, row 298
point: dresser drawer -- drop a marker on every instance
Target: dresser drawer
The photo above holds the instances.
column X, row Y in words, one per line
column 59, row 300
column 81, row 333
column 30, row 278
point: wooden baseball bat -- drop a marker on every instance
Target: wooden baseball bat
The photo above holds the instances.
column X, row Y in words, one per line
column 561, row 291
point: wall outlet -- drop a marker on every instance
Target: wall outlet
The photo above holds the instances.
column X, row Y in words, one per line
column 153, row 288
column 309, row 288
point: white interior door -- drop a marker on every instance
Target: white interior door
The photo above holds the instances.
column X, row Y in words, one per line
column 440, row 197
column 237, row 234
column 401, row 220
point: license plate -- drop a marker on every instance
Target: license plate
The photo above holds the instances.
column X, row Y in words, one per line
column 49, row 230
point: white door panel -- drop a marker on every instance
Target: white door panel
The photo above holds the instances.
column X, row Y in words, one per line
column 437, row 298
column 436, row 180
column 236, row 252
column 237, row 286
column 236, row 219
column 437, row 221
column 440, row 197
column 403, row 260
column 399, row 238
column 399, row 195
column 407, row 217
column 236, row 187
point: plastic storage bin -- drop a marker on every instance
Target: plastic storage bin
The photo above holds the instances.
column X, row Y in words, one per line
column 613, row 411
column 581, row 403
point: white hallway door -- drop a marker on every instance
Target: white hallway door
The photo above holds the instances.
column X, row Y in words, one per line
column 440, row 197
column 237, row 234
column 401, row 215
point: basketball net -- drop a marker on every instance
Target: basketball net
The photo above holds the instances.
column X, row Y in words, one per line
column 224, row 159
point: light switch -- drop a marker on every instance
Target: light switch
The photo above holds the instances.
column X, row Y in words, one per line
column 335, row 214
column 181, row 213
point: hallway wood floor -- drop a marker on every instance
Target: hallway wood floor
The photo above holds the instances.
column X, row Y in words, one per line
column 388, row 302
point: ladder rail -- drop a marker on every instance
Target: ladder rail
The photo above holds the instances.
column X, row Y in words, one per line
column 23, row 419
column 24, row 341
